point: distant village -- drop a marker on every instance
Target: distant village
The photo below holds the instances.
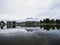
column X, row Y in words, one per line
column 44, row 22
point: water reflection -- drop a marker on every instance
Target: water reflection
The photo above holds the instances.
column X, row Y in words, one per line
column 48, row 27
column 29, row 30
column 34, row 36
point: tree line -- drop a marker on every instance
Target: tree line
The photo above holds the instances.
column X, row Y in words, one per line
column 48, row 21
column 44, row 22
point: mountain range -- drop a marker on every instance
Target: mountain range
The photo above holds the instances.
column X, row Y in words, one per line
column 24, row 20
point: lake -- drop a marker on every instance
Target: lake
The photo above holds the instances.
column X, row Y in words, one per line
column 30, row 36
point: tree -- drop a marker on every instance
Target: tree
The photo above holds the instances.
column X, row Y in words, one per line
column 2, row 24
column 52, row 20
column 57, row 21
column 46, row 21
column 41, row 21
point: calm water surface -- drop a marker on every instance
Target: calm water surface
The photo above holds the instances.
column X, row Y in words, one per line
column 29, row 36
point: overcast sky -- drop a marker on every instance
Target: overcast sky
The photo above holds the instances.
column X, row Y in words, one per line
column 21, row 9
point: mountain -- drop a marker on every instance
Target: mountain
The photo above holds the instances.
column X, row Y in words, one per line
column 24, row 20
column 31, row 19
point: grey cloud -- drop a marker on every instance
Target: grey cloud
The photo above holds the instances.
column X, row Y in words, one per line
column 52, row 12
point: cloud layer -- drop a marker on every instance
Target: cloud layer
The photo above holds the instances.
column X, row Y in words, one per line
column 53, row 11
column 20, row 9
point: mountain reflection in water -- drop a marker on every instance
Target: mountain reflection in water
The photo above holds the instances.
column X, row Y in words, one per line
column 30, row 36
